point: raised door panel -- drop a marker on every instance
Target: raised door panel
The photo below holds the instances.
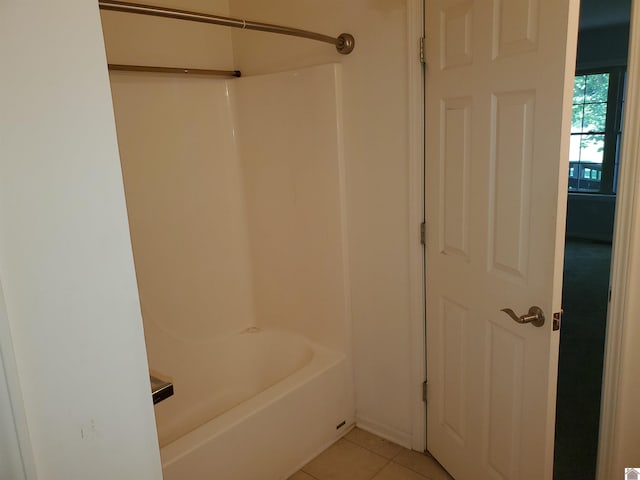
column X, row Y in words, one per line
column 455, row 30
column 515, row 27
column 455, row 165
column 510, row 192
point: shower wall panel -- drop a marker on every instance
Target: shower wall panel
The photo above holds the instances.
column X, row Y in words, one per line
column 186, row 208
column 289, row 137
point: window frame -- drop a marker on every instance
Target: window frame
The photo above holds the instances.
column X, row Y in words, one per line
column 613, row 126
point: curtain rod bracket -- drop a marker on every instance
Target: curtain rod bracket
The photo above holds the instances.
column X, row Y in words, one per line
column 345, row 43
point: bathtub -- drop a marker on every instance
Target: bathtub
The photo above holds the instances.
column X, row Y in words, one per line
column 256, row 406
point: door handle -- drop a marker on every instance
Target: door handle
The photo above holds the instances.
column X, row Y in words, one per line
column 535, row 316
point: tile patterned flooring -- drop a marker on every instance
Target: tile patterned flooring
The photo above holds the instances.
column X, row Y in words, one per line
column 361, row 455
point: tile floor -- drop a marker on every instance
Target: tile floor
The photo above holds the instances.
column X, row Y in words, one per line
column 361, row 455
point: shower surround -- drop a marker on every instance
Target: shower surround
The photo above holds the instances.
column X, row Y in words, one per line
column 236, row 198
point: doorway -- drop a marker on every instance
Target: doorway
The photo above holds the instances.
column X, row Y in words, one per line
column 593, row 177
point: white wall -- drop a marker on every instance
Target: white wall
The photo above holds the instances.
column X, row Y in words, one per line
column 376, row 155
column 65, row 257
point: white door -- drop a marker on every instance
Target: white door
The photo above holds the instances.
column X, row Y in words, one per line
column 498, row 104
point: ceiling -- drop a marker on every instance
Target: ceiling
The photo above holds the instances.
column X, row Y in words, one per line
column 601, row 13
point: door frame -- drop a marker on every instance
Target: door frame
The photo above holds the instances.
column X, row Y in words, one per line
column 415, row 134
column 623, row 273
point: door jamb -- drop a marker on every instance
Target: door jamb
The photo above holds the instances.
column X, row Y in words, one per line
column 623, row 271
column 415, row 31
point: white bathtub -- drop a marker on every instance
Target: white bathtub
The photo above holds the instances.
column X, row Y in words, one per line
column 255, row 406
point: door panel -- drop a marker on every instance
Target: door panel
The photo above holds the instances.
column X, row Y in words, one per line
column 498, row 104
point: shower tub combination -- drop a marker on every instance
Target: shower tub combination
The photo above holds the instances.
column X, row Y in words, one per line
column 285, row 404
column 235, row 194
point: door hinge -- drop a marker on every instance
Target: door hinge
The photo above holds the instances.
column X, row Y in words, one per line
column 422, row 59
column 423, row 233
column 424, row 391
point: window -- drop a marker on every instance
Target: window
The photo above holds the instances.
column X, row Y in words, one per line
column 598, row 99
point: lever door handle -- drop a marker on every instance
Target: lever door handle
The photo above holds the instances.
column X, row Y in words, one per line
column 535, row 316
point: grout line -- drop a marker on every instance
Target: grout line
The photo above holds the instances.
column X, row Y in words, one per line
column 398, row 453
column 304, row 471
column 388, row 460
column 381, row 468
column 412, row 470
column 392, row 459
column 425, row 454
column 367, row 449
column 372, row 451
column 354, row 443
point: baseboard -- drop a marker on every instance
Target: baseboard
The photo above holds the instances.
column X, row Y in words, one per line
column 384, row 431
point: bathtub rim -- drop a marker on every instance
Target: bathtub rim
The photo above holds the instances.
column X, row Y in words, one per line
column 246, row 342
column 323, row 359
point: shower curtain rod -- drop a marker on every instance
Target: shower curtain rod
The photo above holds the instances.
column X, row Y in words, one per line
column 344, row 43
column 189, row 71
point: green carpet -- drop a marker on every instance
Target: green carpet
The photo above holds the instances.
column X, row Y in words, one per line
column 582, row 336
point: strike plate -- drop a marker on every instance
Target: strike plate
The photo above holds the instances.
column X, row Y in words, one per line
column 557, row 320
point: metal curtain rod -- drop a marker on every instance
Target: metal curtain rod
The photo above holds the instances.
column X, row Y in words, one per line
column 193, row 71
column 344, row 43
